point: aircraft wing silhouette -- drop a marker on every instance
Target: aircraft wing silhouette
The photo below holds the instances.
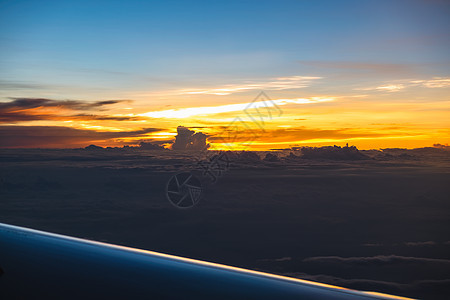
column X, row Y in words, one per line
column 40, row 265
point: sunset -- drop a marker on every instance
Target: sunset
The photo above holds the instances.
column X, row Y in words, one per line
column 117, row 78
column 291, row 149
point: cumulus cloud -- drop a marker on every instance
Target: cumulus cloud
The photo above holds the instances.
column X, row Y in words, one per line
column 189, row 140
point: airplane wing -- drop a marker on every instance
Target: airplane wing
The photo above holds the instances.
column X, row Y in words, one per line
column 40, row 265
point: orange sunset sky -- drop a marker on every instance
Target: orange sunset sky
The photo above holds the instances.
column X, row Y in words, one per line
column 117, row 74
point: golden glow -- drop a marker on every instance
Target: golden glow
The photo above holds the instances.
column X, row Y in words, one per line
column 391, row 87
column 209, row 110
column 405, row 113
column 436, row 82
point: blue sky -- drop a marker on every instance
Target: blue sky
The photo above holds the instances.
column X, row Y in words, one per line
column 150, row 44
column 368, row 58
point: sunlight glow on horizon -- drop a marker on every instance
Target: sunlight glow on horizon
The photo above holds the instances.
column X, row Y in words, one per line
column 208, row 110
column 382, row 81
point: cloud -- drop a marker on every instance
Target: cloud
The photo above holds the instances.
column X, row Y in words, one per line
column 30, row 109
column 358, row 283
column 362, row 67
column 189, row 140
column 293, row 135
column 385, row 88
column 435, row 82
column 280, row 83
column 13, row 85
column 89, row 117
column 284, row 258
column 28, row 103
column 377, row 285
column 60, row 137
column 427, row 243
column 209, row 110
column 373, row 245
column 391, row 87
column 375, row 260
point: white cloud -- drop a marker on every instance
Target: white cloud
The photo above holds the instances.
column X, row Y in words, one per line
column 391, row 87
column 209, row 110
column 280, row 83
column 436, row 82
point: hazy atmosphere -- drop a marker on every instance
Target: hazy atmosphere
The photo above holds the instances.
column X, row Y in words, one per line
column 373, row 220
column 303, row 138
column 75, row 73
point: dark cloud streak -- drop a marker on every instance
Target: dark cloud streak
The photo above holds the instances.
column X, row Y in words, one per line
column 59, row 137
column 375, row 260
column 33, row 109
column 24, row 103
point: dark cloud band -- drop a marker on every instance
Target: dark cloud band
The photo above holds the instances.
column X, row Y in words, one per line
column 59, row 137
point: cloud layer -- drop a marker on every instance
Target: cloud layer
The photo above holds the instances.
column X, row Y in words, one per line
column 31, row 109
column 280, row 83
column 60, row 137
column 376, row 260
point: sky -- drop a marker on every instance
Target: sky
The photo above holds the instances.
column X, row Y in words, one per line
column 374, row 74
